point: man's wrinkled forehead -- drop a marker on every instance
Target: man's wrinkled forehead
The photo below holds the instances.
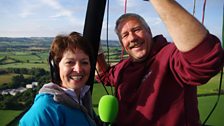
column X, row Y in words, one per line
column 125, row 21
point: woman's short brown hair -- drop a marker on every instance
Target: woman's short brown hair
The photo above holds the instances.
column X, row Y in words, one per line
column 62, row 43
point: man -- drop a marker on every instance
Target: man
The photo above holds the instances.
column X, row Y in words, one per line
column 156, row 85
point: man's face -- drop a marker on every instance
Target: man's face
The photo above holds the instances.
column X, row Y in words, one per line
column 135, row 38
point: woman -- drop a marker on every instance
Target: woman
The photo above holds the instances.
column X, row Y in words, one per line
column 67, row 99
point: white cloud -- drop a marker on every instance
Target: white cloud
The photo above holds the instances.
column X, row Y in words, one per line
column 153, row 21
column 28, row 8
column 120, row 2
column 49, row 17
column 25, row 13
column 61, row 10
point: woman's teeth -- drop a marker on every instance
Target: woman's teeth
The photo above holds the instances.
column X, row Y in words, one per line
column 77, row 77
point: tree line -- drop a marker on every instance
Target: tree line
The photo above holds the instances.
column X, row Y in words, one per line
column 25, row 99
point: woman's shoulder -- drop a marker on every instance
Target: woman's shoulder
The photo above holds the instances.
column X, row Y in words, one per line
column 43, row 98
column 42, row 102
column 43, row 109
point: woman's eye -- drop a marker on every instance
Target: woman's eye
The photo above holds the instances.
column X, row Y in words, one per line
column 85, row 62
column 68, row 62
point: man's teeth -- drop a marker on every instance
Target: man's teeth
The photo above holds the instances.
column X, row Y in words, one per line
column 76, row 77
column 135, row 44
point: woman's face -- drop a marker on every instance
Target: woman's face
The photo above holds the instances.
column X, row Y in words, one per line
column 74, row 69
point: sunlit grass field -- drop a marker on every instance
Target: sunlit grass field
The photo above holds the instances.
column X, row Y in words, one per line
column 205, row 106
column 26, row 65
column 211, row 86
column 39, row 60
column 206, row 103
column 7, row 115
column 6, row 78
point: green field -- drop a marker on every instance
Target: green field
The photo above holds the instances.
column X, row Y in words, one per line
column 6, row 78
column 39, row 60
column 205, row 106
column 27, row 59
column 7, row 115
column 26, row 65
column 211, row 86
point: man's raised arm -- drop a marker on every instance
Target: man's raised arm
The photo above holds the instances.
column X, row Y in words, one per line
column 186, row 31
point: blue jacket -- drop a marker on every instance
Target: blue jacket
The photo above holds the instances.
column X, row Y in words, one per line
column 47, row 112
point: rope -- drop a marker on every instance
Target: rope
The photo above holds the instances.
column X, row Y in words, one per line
column 108, row 12
column 125, row 11
column 203, row 14
column 125, row 6
column 217, row 101
column 223, row 28
column 107, row 40
column 108, row 49
column 220, row 83
column 194, row 7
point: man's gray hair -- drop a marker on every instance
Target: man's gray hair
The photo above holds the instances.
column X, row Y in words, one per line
column 130, row 15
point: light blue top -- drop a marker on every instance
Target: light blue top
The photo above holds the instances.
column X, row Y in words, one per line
column 47, row 112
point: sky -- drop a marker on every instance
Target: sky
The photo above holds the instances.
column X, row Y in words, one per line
column 48, row 18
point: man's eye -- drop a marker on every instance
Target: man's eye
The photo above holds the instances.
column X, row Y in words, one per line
column 124, row 35
column 137, row 29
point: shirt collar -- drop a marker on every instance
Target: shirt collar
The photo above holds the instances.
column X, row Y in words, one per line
column 74, row 96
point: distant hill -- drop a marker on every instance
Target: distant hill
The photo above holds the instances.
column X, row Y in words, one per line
column 27, row 43
column 111, row 43
column 26, row 39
